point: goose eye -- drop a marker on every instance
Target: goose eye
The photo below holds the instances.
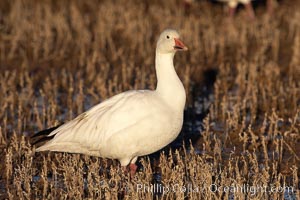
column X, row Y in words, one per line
column 168, row 37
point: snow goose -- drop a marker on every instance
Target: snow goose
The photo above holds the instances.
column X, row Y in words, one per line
column 130, row 124
column 232, row 4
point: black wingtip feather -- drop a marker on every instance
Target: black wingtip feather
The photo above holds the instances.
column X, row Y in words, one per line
column 45, row 134
column 43, row 139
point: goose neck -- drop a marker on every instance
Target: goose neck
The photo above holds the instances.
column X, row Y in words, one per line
column 169, row 85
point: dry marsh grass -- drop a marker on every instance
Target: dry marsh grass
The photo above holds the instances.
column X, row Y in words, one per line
column 58, row 58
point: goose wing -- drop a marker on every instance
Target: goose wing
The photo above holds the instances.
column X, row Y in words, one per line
column 89, row 131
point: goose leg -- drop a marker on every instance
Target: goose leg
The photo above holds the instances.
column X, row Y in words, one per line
column 231, row 12
column 232, row 7
column 187, row 6
column 250, row 11
column 270, row 7
column 129, row 168
column 133, row 168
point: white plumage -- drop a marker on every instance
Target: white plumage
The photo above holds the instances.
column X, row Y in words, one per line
column 234, row 3
column 133, row 123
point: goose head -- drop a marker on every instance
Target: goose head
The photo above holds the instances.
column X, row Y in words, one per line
column 169, row 42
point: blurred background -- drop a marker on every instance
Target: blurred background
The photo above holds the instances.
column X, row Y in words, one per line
column 241, row 75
